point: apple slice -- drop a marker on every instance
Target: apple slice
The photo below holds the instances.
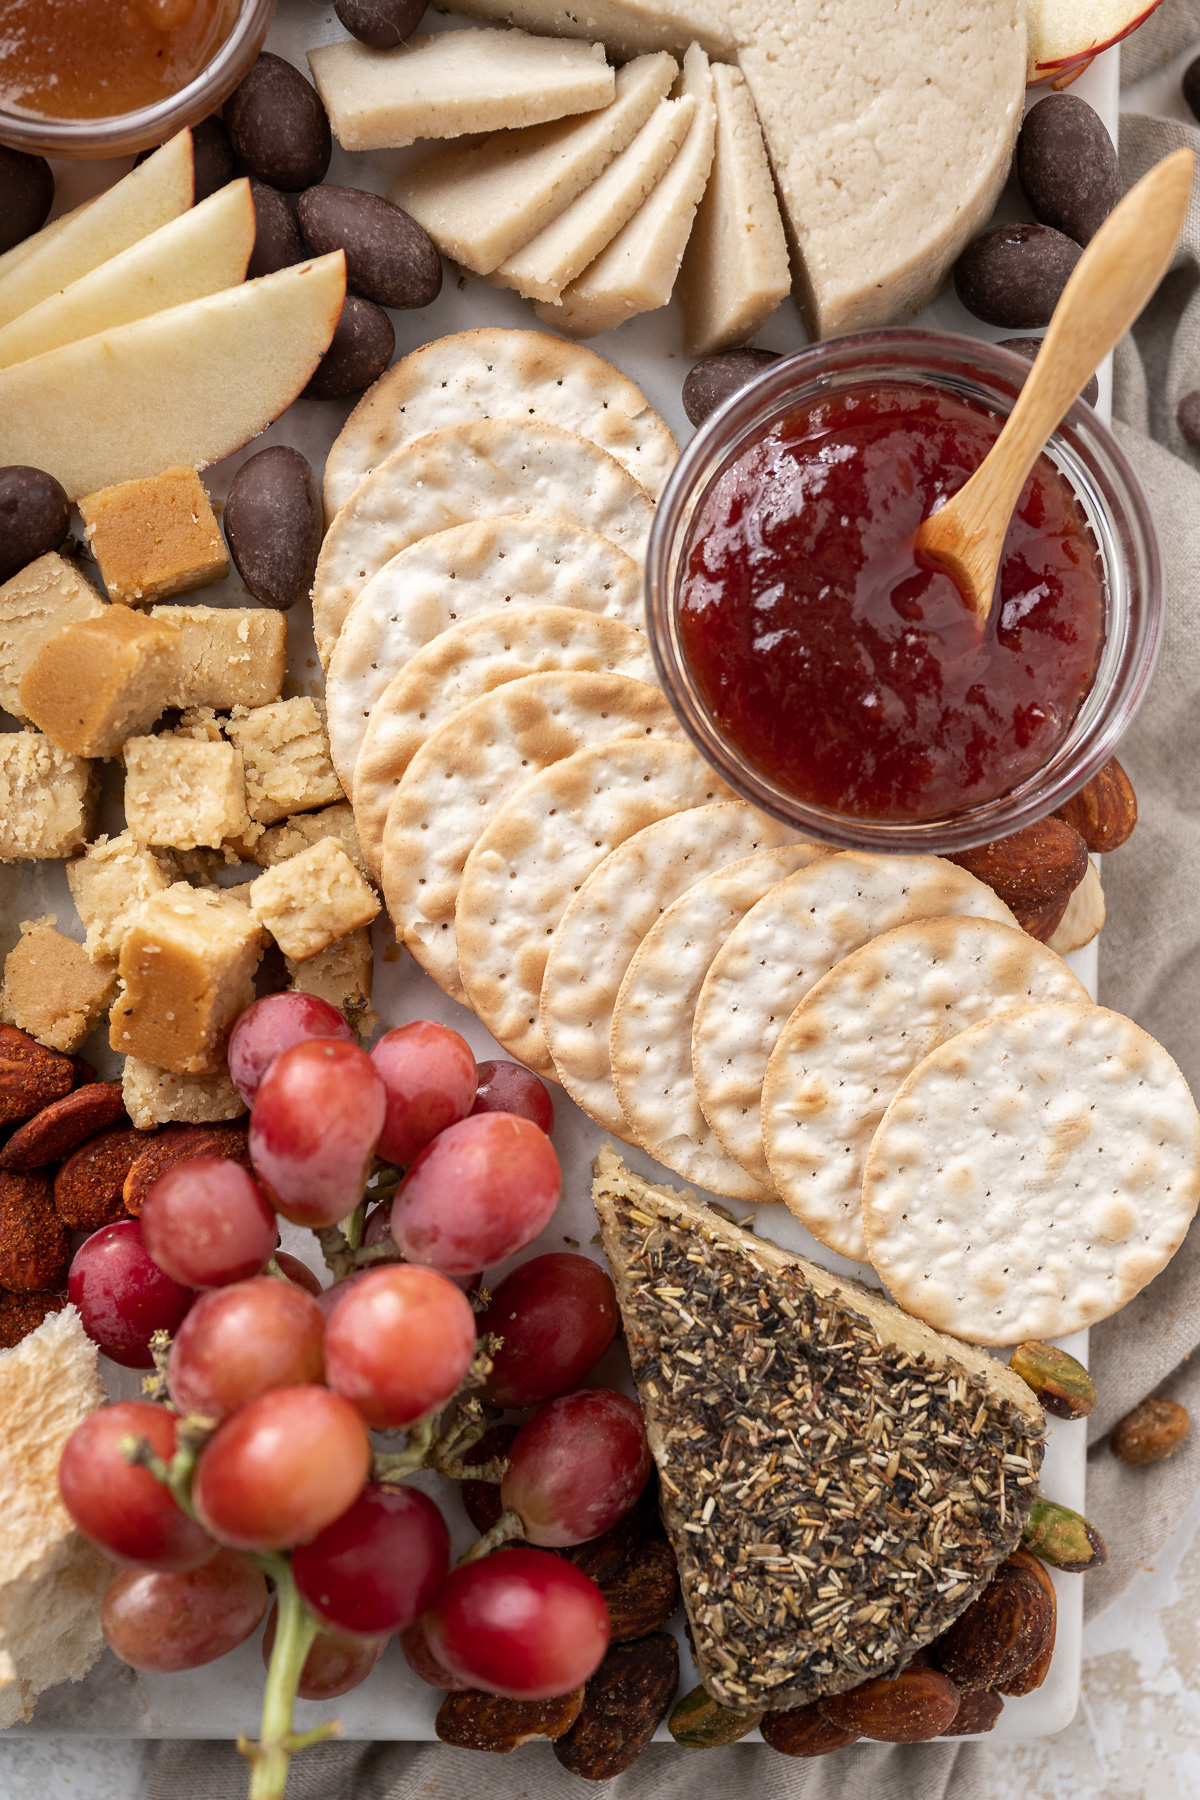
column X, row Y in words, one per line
column 151, row 195
column 1064, row 35
column 199, row 253
column 20, row 251
column 186, row 386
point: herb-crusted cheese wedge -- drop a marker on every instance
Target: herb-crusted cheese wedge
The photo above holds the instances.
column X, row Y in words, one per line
column 838, row 1480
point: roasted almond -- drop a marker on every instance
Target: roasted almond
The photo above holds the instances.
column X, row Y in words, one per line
column 977, row 1711
column 805, row 1731
column 88, row 1189
column 1104, row 812
column 1038, row 1667
column 1154, row 1430
column 1001, row 1633
column 22, row 1313
column 477, row 1721
column 35, row 1246
column 623, row 1704
column 63, row 1126
column 602, row 1558
column 1032, row 869
column 644, row 1592
column 908, row 1708
column 31, row 1076
column 1041, row 922
column 83, row 1072
column 183, row 1143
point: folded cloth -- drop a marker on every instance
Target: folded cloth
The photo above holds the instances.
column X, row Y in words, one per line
column 1150, row 969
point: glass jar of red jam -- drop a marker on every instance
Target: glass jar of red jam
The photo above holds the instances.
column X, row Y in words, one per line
column 838, row 680
column 101, row 78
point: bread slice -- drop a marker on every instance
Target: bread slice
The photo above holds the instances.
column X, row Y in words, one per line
column 838, row 1480
column 51, row 1579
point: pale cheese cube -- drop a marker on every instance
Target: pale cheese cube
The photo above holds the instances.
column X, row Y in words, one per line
column 155, row 1096
column 342, row 976
column 285, row 749
column 108, row 884
column 228, row 656
column 46, row 798
column 181, row 793
column 305, row 829
column 187, row 965
column 310, row 901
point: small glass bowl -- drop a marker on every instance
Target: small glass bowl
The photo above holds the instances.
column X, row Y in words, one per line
column 1105, row 486
column 122, row 134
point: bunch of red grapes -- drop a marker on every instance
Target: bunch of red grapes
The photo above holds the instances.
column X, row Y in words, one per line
column 254, row 1465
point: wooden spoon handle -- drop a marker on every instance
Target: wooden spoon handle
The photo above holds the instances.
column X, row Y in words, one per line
column 1110, row 284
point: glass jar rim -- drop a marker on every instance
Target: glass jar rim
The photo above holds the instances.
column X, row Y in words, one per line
column 1104, row 481
column 120, row 134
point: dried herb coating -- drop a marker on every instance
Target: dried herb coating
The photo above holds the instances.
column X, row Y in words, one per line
column 835, row 1499
column 644, row 1592
column 623, row 1703
column 477, row 1721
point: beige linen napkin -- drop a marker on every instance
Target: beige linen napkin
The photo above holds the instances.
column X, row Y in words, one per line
column 1150, row 969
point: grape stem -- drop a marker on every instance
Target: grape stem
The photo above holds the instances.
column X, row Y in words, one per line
column 352, row 1226
column 426, row 1449
column 176, row 1474
column 155, row 1386
column 295, row 1630
column 341, row 1258
column 508, row 1529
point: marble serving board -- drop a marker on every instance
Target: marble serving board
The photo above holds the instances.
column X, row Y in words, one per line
column 223, row 1700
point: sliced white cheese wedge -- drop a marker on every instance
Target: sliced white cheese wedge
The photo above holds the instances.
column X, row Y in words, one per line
column 199, row 253
column 152, row 194
column 542, row 269
column 890, row 128
column 444, row 84
column 480, row 202
column 735, row 269
column 637, row 272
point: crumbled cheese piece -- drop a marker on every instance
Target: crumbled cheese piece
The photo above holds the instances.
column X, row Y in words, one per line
column 156, row 1096
column 34, row 607
column 45, row 798
column 310, row 901
column 52, row 988
column 154, row 537
column 227, row 657
column 108, row 884
column 102, row 680
column 187, row 965
column 286, row 752
column 182, row 793
column 294, row 835
column 342, row 976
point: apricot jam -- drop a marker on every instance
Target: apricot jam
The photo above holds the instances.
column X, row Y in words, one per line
column 843, row 670
column 93, row 59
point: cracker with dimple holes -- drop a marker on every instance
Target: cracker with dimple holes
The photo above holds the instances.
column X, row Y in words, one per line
column 493, row 373
column 465, row 472
column 466, row 771
column 536, row 855
column 1032, row 1175
column 650, row 1039
column 781, row 949
column 598, row 934
column 861, row 1031
column 472, row 660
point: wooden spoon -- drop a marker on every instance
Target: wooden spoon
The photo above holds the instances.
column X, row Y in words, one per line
column 1109, row 286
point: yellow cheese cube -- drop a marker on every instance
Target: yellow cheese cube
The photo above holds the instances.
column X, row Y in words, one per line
column 52, row 988
column 101, row 681
column 154, row 537
column 34, row 607
column 187, row 965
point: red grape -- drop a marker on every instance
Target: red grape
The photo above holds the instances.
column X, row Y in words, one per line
column 479, row 1193
column 122, row 1295
column 337, row 1291
column 519, row 1623
column 577, row 1467
column 376, row 1569
column 165, row 1622
column 557, row 1315
column 333, row 1666
column 206, row 1222
column 377, row 1228
column 273, row 1024
column 281, row 1469
column 429, row 1074
column 423, row 1662
column 316, row 1120
column 398, row 1344
column 121, row 1506
column 509, row 1087
column 299, row 1273
column 242, row 1341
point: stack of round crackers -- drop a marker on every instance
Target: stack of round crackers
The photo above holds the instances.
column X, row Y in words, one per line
column 871, row 1040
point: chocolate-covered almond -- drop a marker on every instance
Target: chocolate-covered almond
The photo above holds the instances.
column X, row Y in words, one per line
column 277, row 240
column 278, row 126
column 273, row 525
column 361, row 350
column 1013, row 275
column 1028, row 347
column 390, row 259
column 26, row 195
column 34, row 516
column 712, row 380
column 1067, row 166
column 381, row 23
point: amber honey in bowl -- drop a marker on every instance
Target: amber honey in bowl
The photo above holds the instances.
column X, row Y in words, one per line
column 93, row 59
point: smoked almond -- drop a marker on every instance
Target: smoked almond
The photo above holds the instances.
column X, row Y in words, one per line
column 183, row 1143
column 61, row 1127
column 31, row 1076
column 88, row 1189
column 644, row 1592
column 1032, row 870
column 1104, row 812
column 477, row 1721
column 35, row 1247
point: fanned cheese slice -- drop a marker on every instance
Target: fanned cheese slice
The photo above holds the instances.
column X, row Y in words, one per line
column 889, row 129
column 735, row 269
column 637, row 271
column 481, row 202
column 838, row 1480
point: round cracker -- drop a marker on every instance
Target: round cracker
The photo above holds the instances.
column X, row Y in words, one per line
column 858, row 1034
column 536, row 855
column 783, row 948
column 457, row 667
column 650, row 1040
column 601, row 929
column 465, row 772
column 494, row 373
column 465, row 472
column 1032, row 1174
